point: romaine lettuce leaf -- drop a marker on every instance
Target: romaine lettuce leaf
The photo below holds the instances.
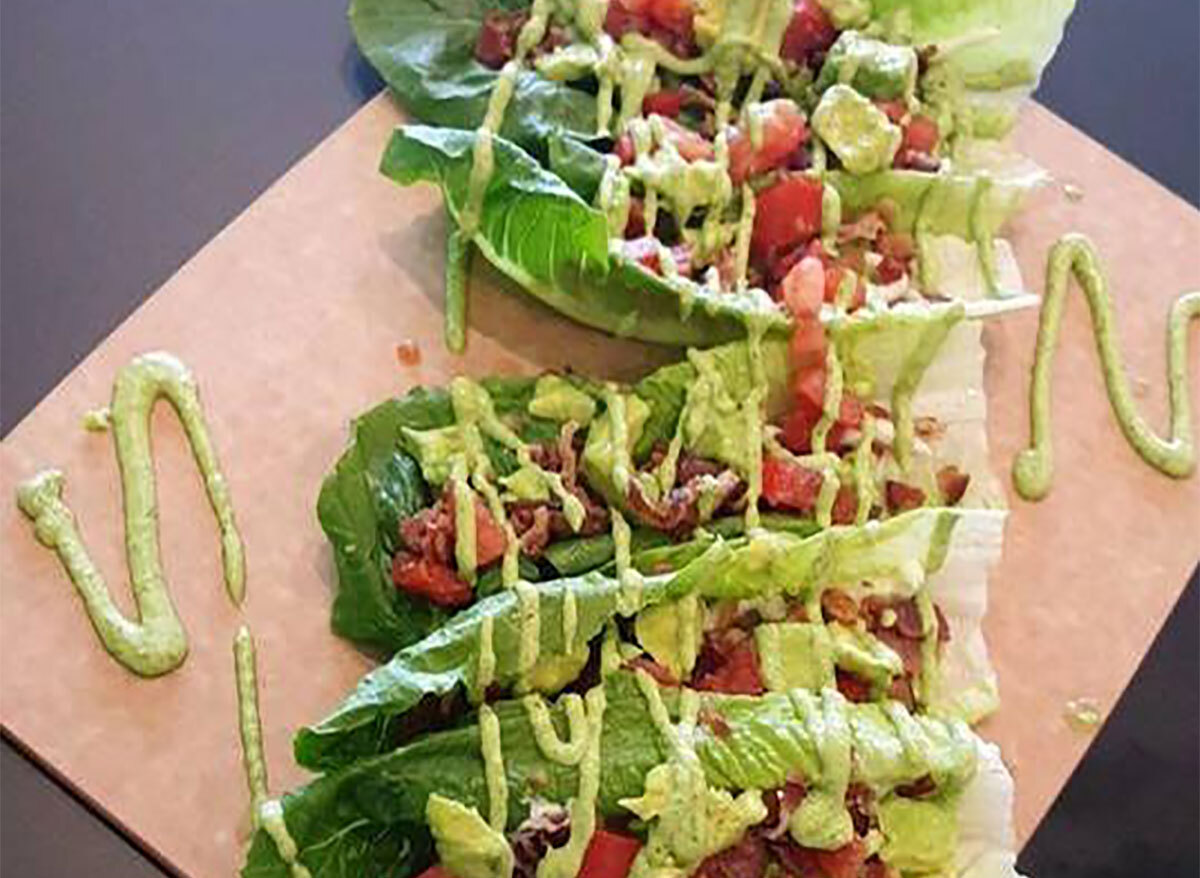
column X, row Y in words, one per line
column 543, row 235
column 424, row 50
column 372, row 719
column 368, row 819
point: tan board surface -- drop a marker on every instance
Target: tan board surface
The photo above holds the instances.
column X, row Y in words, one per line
column 290, row 319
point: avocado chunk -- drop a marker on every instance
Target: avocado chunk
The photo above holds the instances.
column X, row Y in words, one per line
column 875, row 69
column 466, row 845
column 920, row 835
column 858, row 132
column 795, row 655
column 557, row 399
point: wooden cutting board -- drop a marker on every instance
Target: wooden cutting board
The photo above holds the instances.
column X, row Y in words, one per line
column 290, row 318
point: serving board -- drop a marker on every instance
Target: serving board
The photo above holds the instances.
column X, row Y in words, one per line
column 290, row 318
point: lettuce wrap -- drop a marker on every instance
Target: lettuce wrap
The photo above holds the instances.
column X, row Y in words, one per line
column 727, row 438
column 693, row 781
column 887, row 610
column 659, row 169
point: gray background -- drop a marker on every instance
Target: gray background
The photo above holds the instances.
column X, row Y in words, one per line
column 131, row 131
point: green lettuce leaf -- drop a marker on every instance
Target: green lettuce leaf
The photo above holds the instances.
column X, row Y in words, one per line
column 371, row 719
column 374, row 486
column 543, row 235
column 424, row 50
column 768, row 740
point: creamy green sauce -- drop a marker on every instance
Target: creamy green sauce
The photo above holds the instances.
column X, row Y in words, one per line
column 530, row 633
column 493, row 763
column 1074, row 255
column 249, row 724
column 485, row 671
column 272, row 822
column 568, row 752
column 1083, row 714
column 864, row 474
column 157, row 643
column 565, row 861
column 98, row 420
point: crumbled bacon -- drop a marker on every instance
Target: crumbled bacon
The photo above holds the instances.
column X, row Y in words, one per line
column 657, row 672
column 837, row 606
column 952, row 484
column 746, row 859
column 497, row 41
column 679, row 511
column 547, row 826
column 919, row 789
column 902, row 498
column 728, row 663
column 854, row 687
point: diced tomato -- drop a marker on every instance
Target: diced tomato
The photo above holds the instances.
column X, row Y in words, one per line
column 435, row 582
column 788, row 485
column 692, row 146
column 920, row 135
column 435, row 871
column 845, row 505
column 647, row 251
column 783, row 132
column 668, row 102
column 668, row 22
column 804, row 288
column 810, row 31
column 895, row 110
column 808, row 388
column 833, row 284
column 489, row 536
column 787, row 214
column 845, row 862
column 623, row 149
column 738, row 675
column 497, row 41
column 609, row 855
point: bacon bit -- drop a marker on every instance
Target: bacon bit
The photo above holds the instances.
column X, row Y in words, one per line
column 536, row 536
column 838, row 606
column 656, row 671
column 714, row 722
column 918, row 789
column 635, row 225
column 566, row 455
column 928, row 427
column 909, row 649
column 746, row 859
column 859, row 801
column 737, row 674
column 877, row 868
column 901, row 690
column 913, row 160
column 943, row 627
column 908, row 619
column 952, row 484
column 845, row 862
column 780, row 804
column 902, row 498
column 852, row 686
column 797, row 612
column 408, row 352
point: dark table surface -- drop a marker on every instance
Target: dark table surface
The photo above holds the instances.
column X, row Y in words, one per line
column 133, row 131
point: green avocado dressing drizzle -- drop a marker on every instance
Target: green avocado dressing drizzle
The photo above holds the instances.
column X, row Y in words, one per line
column 249, row 724
column 493, row 762
column 267, row 814
column 157, row 643
column 1033, row 468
